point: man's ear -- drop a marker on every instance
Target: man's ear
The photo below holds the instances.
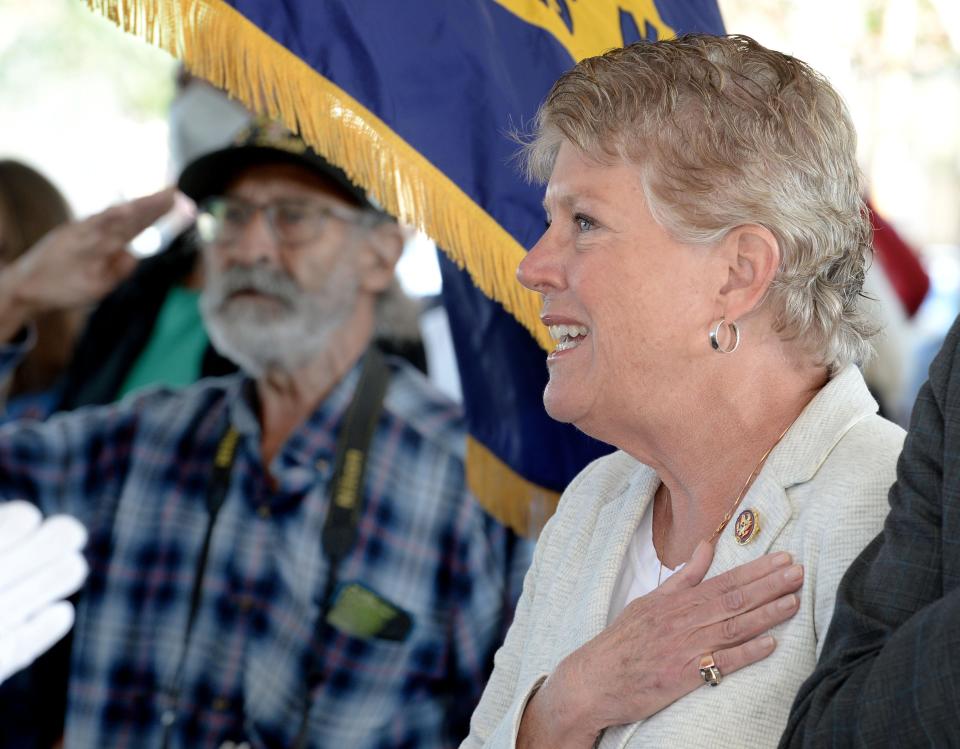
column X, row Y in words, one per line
column 752, row 253
column 384, row 245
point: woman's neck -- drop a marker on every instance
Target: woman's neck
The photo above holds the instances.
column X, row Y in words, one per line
column 707, row 461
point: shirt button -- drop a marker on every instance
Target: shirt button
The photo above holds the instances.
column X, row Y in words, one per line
column 245, row 604
column 263, row 511
column 220, row 704
column 168, row 717
column 322, row 465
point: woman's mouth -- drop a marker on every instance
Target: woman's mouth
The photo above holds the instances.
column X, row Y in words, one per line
column 567, row 336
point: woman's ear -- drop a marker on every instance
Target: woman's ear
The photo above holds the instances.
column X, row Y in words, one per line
column 753, row 258
column 383, row 247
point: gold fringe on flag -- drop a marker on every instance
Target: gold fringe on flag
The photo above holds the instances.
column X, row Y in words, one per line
column 510, row 498
column 217, row 43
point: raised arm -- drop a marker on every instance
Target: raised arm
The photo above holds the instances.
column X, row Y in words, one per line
column 75, row 264
column 55, row 465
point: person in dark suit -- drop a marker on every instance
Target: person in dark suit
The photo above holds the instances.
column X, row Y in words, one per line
column 888, row 673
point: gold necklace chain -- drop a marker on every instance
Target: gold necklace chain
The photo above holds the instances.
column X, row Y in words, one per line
column 736, row 502
column 743, row 490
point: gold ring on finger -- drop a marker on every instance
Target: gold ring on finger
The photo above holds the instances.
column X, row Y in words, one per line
column 709, row 671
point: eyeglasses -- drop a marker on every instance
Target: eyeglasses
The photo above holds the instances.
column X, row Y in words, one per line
column 224, row 219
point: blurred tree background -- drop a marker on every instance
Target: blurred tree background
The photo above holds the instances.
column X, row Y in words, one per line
column 82, row 102
column 897, row 63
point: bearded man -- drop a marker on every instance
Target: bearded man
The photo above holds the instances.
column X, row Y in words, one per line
column 284, row 557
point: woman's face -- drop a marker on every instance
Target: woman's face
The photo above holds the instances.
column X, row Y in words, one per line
column 631, row 307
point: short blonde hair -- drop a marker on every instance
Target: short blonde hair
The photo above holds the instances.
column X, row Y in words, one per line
column 726, row 132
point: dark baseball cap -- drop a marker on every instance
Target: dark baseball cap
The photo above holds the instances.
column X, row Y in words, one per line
column 263, row 142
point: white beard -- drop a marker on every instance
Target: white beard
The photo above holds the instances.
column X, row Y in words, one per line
column 284, row 333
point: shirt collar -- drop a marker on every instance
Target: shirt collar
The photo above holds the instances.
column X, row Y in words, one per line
column 314, row 440
column 834, row 410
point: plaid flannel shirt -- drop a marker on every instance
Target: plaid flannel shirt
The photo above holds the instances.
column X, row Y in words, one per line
column 138, row 473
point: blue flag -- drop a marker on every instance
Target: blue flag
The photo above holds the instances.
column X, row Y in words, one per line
column 415, row 100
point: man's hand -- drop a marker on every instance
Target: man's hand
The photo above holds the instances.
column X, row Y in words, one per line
column 649, row 656
column 75, row 264
column 40, row 564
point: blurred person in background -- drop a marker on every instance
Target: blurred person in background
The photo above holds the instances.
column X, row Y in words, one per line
column 287, row 556
column 145, row 331
column 32, row 702
column 149, row 331
column 30, row 207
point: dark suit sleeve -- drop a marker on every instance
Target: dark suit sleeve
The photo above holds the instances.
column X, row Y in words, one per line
column 889, row 670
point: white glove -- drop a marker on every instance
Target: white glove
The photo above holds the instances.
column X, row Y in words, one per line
column 40, row 563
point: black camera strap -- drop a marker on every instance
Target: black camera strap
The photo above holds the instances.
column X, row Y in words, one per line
column 343, row 514
column 349, row 468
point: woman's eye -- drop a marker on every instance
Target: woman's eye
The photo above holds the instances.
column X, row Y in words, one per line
column 584, row 223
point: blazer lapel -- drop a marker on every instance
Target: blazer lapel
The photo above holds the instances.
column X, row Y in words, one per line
column 617, row 520
column 772, row 510
column 840, row 404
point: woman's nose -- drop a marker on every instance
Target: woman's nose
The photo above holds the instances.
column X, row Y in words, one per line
column 541, row 270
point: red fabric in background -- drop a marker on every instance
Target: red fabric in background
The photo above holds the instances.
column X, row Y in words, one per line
column 900, row 262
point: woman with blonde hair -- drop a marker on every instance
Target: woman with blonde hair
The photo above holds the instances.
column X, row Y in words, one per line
column 701, row 273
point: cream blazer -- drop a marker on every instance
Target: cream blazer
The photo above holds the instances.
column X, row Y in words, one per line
column 821, row 496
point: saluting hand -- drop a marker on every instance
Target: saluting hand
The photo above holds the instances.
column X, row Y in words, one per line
column 76, row 264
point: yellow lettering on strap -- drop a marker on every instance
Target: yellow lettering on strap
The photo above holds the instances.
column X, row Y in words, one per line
column 348, row 489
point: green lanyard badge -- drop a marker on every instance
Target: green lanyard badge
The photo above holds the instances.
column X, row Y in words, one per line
column 360, row 612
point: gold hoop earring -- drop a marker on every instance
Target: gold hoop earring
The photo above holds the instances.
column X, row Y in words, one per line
column 715, row 333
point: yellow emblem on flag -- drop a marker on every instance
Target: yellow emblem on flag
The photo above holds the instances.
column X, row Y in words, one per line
column 589, row 27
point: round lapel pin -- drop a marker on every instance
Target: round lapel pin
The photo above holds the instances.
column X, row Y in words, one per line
column 747, row 526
